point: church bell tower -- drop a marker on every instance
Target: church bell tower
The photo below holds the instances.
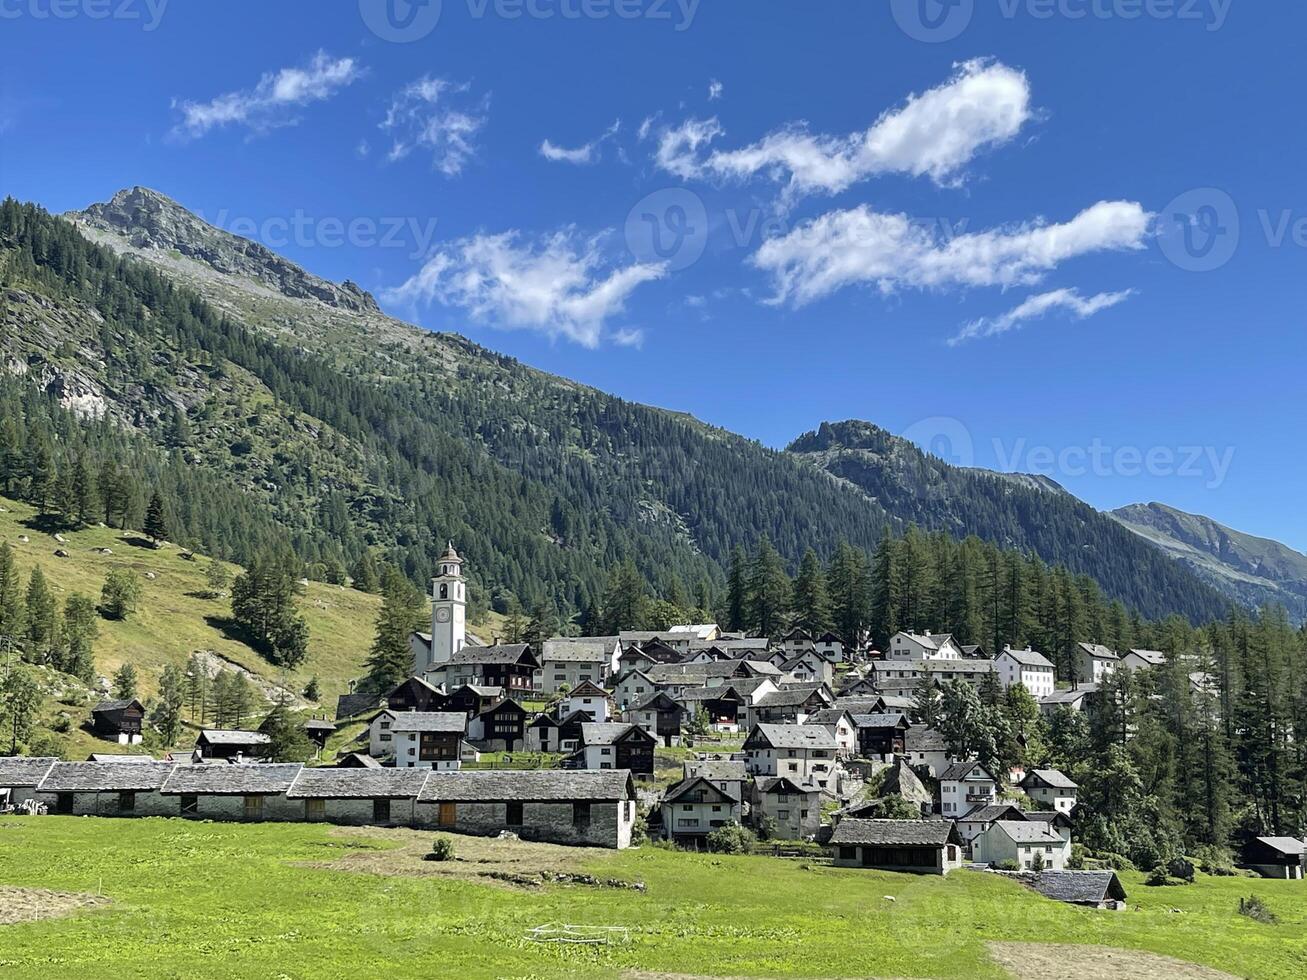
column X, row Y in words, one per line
column 448, row 608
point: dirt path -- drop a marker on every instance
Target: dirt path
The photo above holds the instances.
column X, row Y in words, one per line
column 31, row 904
column 1048, row 961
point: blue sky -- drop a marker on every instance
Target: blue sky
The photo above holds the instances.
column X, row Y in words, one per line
column 1054, row 235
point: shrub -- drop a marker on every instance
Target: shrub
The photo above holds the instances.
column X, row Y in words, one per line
column 1181, row 868
column 1076, row 862
column 1109, row 859
column 1256, row 909
column 1216, row 861
column 1161, row 876
column 765, row 827
column 1007, row 866
column 442, row 849
column 731, row 839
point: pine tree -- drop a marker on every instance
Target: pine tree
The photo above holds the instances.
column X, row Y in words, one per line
column 240, row 699
column 391, row 658
column 167, row 713
column 124, row 682
column 737, row 591
column 263, row 604
column 769, row 590
column 41, row 476
column 886, row 591
column 85, row 494
column 120, row 594
column 811, row 606
column 20, row 696
column 197, row 688
column 156, row 525
column 80, row 629
column 40, row 616
column 365, row 574
column 12, row 611
column 625, row 604
column 287, row 740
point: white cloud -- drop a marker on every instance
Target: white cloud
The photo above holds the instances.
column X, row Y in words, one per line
column 715, row 89
column 863, row 247
column 271, row 102
column 936, row 134
column 587, row 153
column 420, row 117
column 1036, row 307
column 559, row 286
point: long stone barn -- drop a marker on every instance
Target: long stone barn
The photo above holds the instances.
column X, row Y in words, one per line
column 578, row 807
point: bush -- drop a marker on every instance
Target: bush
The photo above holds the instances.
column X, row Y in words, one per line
column 1256, row 909
column 1109, row 859
column 1216, row 861
column 1007, row 866
column 764, row 827
column 442, row 849
column 1182, row 869
column 731, row 839
column 1161, row 876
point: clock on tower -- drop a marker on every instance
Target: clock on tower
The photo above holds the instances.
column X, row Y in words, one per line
column 448, row 610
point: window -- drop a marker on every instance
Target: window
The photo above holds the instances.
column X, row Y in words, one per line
column 190, row 805
column 63, row 803
column 783, row 815
column 385, row 738
column 254, row 808
column 686, row 806
column 315, row 809
column 513, row 814
column 381, row 811
column 581, row 816
column 716, row 809
column 126, row 802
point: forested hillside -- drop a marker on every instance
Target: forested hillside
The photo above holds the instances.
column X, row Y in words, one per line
column 267, row 404
column 1057, row 527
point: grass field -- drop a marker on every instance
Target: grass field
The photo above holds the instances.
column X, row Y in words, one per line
column 225, row 900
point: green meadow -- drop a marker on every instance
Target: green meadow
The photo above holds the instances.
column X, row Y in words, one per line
column 191, row 899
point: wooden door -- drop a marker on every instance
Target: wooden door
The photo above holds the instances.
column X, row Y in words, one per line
column 448, row 814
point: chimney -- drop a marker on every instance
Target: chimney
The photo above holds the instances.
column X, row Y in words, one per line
column 239, row 756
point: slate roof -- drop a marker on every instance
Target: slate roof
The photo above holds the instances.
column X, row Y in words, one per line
column 1028, row 832
column 718, row 770
column 924, row 740
column 319, row 725
column 1080, row 887
column 534, row 785
column 1285, row 845
column 429, row 721
column 1049, row 777
column 1027, row 658
column 115, row 705
column 794, row 736
column 1069, row 697
column 226, row 736
column 274, row 777
column 788, row 697
column 1154, row 658
column 827, row 716
column 353, row 705
column 685, row 785
column 500, row 653
column 783, row 784
column 894, row 833
column 989, row 812
column 963, row 770
column 89, row 777
column 361, row 759
column 885, row 719
column 718, row 693
column 352, row 784
column 1098, row 651
column 112, row 757
column 24, row 771
column 580, row 650
column 605, row 733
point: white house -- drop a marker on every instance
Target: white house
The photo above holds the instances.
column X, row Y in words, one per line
column 841, row 725
column 632, row 688
column 1052, row 788
column 926, row 646
column 1026, row 667
column 965, row 786
column 794, row 807
column 1019, row 841
column 926, row 749
column 831, row 647
column 1143, row 659
column 1094, row 662
column 980, row 819
column 590, row 698
column 727, row 775
column 571, row 661
column 696, row 807
column 805, row 753
column 423, row 739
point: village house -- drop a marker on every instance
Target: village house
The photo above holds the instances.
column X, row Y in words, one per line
column 796, row 641
column 727, row 775
column 793, row 807
column 926, row 749
column 965, row 786
column 1073, row 700
column 808, row 667
column 882, row 735
column 357, row 704
column 842, row 726
column 1031, row 669
column 1276, row 857
column 698, row 632
column 804, row 753
column 791, row 705
column 980, row 818
column 585, row 807
column 217, row 743
column 472, row 699
column 1143, row 660
column 317, row 731
column 1089, row 889
column 556, row 733
column 722, row 704
column 659, row 715
column 616, row 746
column 118, row 721
column 695, row 807
column 916, row 846
column 370, row 797
column 631, row 688
column 1094, row 662
column 1056, row 820
column 357, row 760
column 20, row 776
column 511, row 666
column 651, row 653
column 105, row 789
column 415, row 694
column 929, row 646
column 1025, row 843
column 590, row 698
column 568, row 663
column 830, row 646
column 1050, row 787
column 225, row 792
column 499, row 728
column 859, row 687
column 428, row 739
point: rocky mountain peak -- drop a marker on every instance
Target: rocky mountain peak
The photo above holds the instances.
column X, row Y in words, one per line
column 150, row 221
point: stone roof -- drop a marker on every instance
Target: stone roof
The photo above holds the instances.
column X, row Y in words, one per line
column 1027, row 658
column 1028, row 832
column 341, row 784
column 24, row 771
column 783, row 784
column 357, row 760
column 1070, row 696
column 353, row 705
column 1098, row 651
column 894, row 833
column 116, row 705
column 789, row 697
column 605, row 733
column 1080, row 887
column 580, row 650
column 920, row 739
column 885, row 719
column 1285, row 845
column 794, row 736
column 87, row 777
column 719, row 770
column 534, row 785
column 1154, row 658
column 827, row 716
column 231, row 736
column 114, row 757
column 233, row 780
column 1052, row 778
column 500, row 653
column 319, row 725
column 675, row 793
column 989, row 812
column 429, row 721
column 964, row 770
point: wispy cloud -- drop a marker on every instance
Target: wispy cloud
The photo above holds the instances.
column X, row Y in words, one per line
column 715, row 89
column 437, row 116
column 1037, row 307
column 559, row 286
column 934, row 134
column 273, row 101
column 584, row 154
column 890, row 251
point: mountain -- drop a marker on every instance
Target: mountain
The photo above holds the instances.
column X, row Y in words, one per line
column 1014, row 511
column 270, row 404
column 1255, row 571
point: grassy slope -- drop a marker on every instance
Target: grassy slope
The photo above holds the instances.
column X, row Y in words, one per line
column 226, row 900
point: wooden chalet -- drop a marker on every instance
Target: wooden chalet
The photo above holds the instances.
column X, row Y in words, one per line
column 883, row 734
column 500, row 727
column 415, row 694
column 118, row 721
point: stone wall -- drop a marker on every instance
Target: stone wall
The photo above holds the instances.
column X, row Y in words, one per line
column 106, row 804
column 610, row 823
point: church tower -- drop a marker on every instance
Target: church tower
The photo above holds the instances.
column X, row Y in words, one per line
column 448, row 608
